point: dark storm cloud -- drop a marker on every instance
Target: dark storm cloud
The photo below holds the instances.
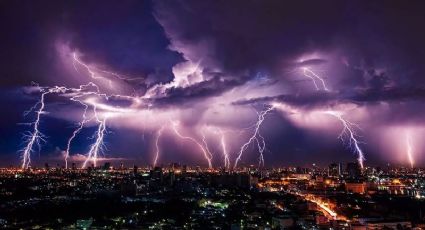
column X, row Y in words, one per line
column 240, row 36
column 317, row 99
column 315, row 61
column 320, row 99
column 124, row 37
column 251, row 34
column 178, row 96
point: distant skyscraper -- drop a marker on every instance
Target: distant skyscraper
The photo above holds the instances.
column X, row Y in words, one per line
column 107, row 166
column 333, row 170
column 353, row 170
column 340, row 169
column 156, row 173
column 300, row 170
column 175, row 166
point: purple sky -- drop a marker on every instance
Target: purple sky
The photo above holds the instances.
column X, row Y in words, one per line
column 198, row 74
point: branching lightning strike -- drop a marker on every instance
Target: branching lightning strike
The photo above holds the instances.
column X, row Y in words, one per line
column 205, row 152
column 204, row 140
column 349, row 128
column 255, row 137
column 97, row 147
column 157, row 150
column 224, row 149
column 77, row 95
column 409, row 149
column 95, row 73
column 77, row 130
column 312, row 75
column 349, row 131
column 222, row 140
column 35, row 137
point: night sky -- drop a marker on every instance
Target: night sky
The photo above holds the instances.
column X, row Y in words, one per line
column 207, row 69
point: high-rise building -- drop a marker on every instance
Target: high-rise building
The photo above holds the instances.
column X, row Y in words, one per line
column 353, row 170
column 335, row 170
column 106, row 166
column 156, row 174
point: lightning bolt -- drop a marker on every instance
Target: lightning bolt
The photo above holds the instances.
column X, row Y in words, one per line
column 222, row 140
column 349, row 132
column 97, row 147
column 255, row 137
column 204, row 140
column 74, row 134
column 310, row 74
column 81, row 123
column 158, row 135
column 95, row 73
column 84, row 65
column 409, row 149
column 205, row 153
column 261, row 144
column 224, row 149
column 35, row 137
column 349, row 127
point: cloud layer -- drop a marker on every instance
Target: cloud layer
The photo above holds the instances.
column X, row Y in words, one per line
column 213, row 65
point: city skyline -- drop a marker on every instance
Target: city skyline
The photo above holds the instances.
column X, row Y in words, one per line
column 215, row 84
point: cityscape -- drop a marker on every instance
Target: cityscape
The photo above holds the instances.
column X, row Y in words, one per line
column 189, row 114
column 340, row 196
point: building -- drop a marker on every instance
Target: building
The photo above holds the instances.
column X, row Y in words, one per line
column 282, row 222
column 335, row 170
column 375, row 225
column 157, row 174
column 242, row 180
column 84, row 223
column 106, row 166
column 128, row 188
column 354, row 170
column 355, row 187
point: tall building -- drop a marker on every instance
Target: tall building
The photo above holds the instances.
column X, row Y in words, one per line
column 355, row 187
column 106, row 166
column 175, row 166
column 333, row 170
column 156, row 173
column 353, row 170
